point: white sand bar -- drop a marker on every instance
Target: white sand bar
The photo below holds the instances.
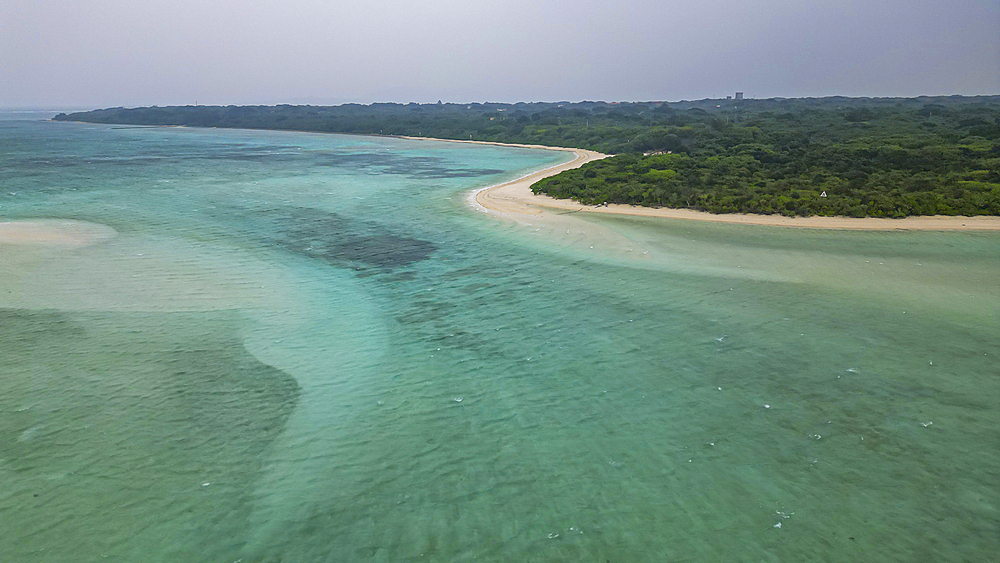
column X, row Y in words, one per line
column 54, row 232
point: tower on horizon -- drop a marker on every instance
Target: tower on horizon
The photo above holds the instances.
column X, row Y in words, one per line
column 739, row 95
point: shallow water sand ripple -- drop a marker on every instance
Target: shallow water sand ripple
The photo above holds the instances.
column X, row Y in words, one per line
column 307, row 347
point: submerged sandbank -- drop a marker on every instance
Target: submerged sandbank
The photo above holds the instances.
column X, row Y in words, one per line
column 54, row 232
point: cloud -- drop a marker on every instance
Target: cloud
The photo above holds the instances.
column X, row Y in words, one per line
column 113, row 52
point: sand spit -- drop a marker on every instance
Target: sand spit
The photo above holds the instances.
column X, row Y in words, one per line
column 515, row 198
column 921, row 223
column 54, row 232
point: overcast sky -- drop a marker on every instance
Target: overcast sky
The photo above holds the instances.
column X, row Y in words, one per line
column 101, row 53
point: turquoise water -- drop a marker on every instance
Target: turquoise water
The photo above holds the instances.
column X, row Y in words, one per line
column 308, row 347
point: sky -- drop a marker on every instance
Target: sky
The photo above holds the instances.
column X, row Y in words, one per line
column 107, row 53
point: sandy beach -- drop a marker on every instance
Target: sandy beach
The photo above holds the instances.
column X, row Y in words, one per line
column 515, row 197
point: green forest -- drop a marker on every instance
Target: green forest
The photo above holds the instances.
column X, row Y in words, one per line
column 858, row 157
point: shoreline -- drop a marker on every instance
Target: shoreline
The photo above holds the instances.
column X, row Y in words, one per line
column 515, row 197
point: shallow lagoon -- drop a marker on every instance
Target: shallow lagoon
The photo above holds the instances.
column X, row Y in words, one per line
column 307, row 347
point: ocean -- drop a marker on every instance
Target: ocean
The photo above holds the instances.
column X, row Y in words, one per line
column 276, row 346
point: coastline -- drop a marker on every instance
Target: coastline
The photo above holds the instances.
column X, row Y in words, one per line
column 514, row 197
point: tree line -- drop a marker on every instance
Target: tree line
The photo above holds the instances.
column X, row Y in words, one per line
column 858, row 157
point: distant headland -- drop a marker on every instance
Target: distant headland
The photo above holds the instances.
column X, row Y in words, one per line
column 802, row 157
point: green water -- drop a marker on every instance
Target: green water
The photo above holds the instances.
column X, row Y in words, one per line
column 310, row 348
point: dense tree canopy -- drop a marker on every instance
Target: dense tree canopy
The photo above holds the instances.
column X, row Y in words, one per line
column 881, row 157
